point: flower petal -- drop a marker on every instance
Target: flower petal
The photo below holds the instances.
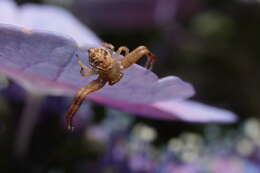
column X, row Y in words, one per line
column 195, row 112
column 34, row 59
column 172, row 110
column 46, row 63
column 138, row 84
column 47, row 17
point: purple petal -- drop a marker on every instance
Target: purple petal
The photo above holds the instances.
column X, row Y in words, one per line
column 34, row 59
column 45, row 63
column 172, row 109
column 138, row 85
column 46, row 17
column 194, row 111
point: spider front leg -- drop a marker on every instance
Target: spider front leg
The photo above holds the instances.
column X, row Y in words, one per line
column 80, row 97
column 109, row 46
column 120, row 50
column 135, row 55
column 84, row 70
column 88, row 73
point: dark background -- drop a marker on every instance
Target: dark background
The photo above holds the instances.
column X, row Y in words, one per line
column 212, row 44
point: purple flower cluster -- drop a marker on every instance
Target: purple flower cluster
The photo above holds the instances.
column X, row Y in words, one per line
column 133, row 150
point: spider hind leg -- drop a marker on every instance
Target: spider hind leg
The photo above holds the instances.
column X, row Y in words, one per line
column 136, row 54
column 80, row 97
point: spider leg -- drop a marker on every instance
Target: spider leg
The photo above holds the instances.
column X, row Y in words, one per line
column 109, row 46
column 83, row 66
column 135, row 55
column 120, row 50
column 85, row 70
column 86, row 74
column 80, row 97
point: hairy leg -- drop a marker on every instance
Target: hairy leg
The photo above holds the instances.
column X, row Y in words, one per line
column 80, row 97
column 84, row 70
column 86, row 74
column 84, row 67
column 108, row 45
column 120, row 50
column 135, row 55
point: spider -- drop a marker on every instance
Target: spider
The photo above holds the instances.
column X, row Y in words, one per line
column 108, row 66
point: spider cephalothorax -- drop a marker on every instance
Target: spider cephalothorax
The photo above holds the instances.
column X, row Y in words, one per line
column 109, row 68
column 104, row 64
column 100, row 59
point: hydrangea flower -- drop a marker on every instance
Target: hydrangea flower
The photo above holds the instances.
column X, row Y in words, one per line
column 133, row 150
column 39, row 54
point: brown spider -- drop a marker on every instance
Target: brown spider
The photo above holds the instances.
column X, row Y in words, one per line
column 109, row 68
